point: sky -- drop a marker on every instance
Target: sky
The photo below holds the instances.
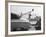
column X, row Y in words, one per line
column 17, row 9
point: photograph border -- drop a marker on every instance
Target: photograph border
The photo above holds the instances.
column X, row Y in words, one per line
column 6, row 17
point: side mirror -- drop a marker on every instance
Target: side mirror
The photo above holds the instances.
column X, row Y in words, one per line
column 32, row 9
